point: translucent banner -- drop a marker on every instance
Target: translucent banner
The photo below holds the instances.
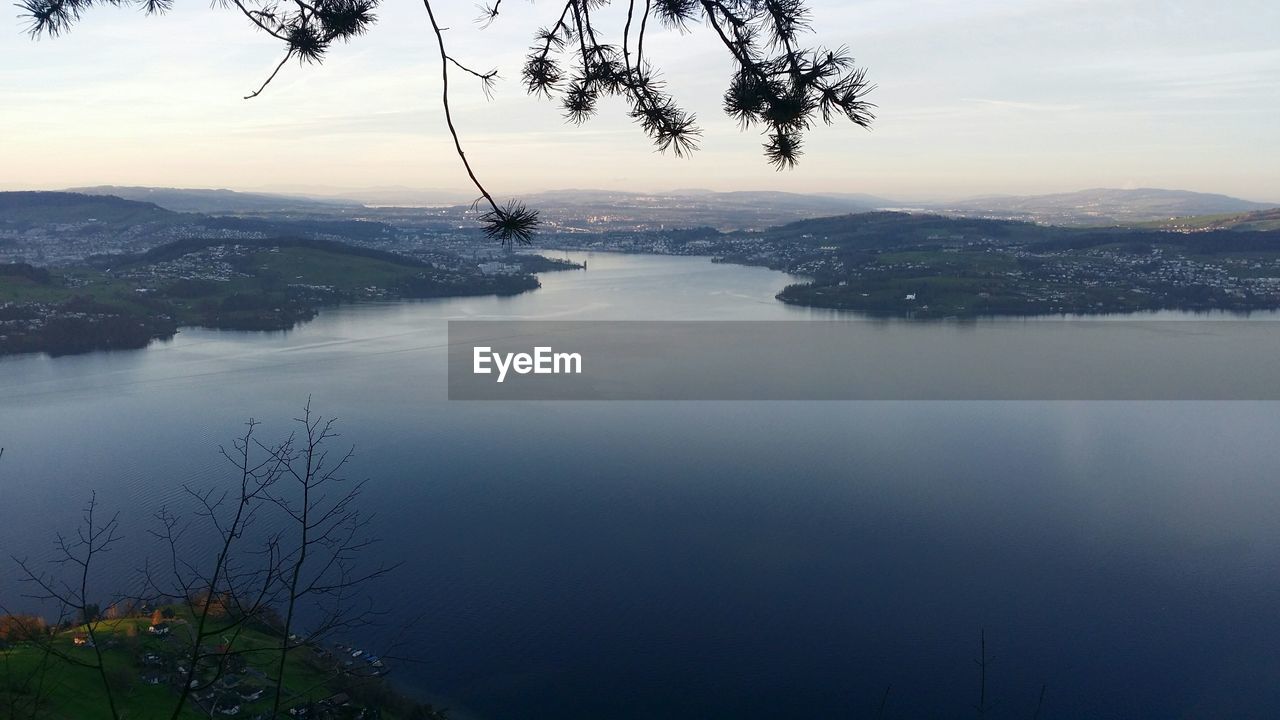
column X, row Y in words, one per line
column 1032, row 359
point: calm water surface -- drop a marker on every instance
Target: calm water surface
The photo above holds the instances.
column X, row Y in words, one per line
column 714, row 560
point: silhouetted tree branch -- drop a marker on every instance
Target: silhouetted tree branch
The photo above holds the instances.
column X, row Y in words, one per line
column 276, row 550
column 92, row 538
column 778, row 85
column 225, row 595
column 328, row 536
column 982, row 706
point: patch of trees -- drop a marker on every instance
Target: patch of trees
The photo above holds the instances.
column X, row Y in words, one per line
column 187, row 288
column 463, row 285
column 63, row 335
column 254, row 312
column 692, row 234
column 22, row 628
column 247, row 302
column 89, row 305
column 25, row 270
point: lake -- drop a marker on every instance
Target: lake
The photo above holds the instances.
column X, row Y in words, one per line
column 667, row 559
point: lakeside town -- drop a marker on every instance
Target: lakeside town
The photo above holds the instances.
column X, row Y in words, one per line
column 241, row 285
column 83, row 272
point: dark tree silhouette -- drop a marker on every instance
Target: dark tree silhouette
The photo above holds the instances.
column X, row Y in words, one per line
column 778, row 85
column 276, row 551
column 71, row 593
column 287, row 538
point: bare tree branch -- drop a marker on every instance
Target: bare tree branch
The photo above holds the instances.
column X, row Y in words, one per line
column 92, row 538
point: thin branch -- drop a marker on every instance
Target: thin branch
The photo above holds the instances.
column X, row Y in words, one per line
column 270, row 77
column 510, row 223
column 448, row 111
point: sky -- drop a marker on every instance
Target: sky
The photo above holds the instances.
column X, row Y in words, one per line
column 974, row 97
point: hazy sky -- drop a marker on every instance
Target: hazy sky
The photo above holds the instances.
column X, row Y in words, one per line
column 983, row 96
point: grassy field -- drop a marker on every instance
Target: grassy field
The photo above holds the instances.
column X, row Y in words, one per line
column 951, row 262
column 76, row 693
column 66, row 285
column 348, row 273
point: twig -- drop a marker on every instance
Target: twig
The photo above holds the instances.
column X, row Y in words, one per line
column 884, row 702
column 448, row 111
column 270, row 77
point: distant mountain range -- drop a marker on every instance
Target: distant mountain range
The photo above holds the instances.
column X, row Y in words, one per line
column 755, row 197
column 219, row 201
column 589, row 210
column 1102, row 206
column 616, row 210
column 580, row 209
column 51, row 228
column 743, row 198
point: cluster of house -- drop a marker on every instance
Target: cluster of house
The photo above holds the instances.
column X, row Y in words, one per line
column 323, row 708
column 229, row 693
column 237, row 691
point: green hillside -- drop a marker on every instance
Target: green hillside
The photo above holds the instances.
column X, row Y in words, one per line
column 55, row 676
column 1250, row 221
column 243, row 285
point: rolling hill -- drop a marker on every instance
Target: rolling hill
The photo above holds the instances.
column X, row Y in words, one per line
column 1258, row 220
column 25, row 208
column 1103, row 206
column 218, row 201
